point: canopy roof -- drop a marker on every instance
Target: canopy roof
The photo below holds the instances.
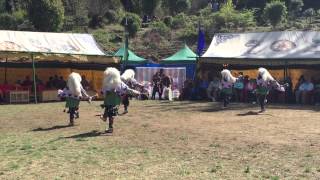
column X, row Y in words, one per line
column 184, row 55
column 17, row 45
column 288, row 47
column 132, row 57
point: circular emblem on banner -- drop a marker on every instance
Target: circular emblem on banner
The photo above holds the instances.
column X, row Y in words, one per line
column 283, row 45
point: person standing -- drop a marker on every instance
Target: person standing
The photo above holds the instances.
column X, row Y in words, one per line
column 227, row 82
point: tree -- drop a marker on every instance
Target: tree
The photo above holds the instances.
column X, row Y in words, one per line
column 46, row 15
column 149, row 6
column 177, row 6
column 132, row 23
column 295, row 7
column 309, row 13
column 275, row 12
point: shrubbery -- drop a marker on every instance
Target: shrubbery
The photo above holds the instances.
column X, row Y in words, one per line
column 275, row 12
column 46, row 15
column 133, row 23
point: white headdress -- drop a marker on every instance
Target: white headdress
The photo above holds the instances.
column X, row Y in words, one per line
column 265, row 75
column 227, row 76
column 74, row 84
column 128, row 74
column 111, row 78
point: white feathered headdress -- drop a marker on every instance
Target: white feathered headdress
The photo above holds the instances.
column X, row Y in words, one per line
column 111, row 78
column 74, row 84
column 227, row 76
column 128, row 74
column 265, row 75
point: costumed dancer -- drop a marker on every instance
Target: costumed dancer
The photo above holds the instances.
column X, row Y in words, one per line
column 113, row 90
column 73, row 93
column 227, row 82
column 128, row 78
column 265, row 82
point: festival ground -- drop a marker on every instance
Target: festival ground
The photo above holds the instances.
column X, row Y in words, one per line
column 179, row 140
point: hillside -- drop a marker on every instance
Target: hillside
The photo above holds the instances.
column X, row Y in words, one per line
column 157, row 28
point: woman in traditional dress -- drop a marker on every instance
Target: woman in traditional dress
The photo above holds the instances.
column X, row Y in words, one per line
column 227, row 82
column 113, row 90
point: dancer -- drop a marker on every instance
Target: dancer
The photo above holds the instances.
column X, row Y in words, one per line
column 128, row 78
column 227, row 82
column 265, row 82
column 73, row 93
column 113, row 89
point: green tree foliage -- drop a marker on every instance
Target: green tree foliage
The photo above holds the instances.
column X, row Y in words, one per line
column 275, row 12
column 46, row 15
column 177, row 6
column 160, row 27
column 8, row 22
column 295, row 7
column 228, row 18
column 309, row 13
column 133, row 23
column 149, row 6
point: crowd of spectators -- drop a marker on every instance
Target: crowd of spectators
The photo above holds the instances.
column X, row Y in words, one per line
column 54, row 83
column 306, row 91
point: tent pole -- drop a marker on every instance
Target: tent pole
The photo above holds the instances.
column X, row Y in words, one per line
column 6, row 70
column 34, row 79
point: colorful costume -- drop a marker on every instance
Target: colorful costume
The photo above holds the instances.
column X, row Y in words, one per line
column 265, row 82
column 227, row 82
column 128, row 78
column 113, row 90
column 73, row 93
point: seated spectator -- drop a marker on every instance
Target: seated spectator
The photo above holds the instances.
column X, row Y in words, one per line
column 238, row 88
column 316, row 93
column 55, row 81
column 62, row 83
column 85, row 84
column 304, row 92
column 213, row 89
column 186, row 90
column 50, row 84
column 202, row 89
column 27, row 82
column 250, row 88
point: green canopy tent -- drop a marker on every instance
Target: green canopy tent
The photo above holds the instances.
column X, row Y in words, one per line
column 185, row 57
column 133, row 59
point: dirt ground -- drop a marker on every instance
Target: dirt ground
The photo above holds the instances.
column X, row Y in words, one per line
column 161, row 140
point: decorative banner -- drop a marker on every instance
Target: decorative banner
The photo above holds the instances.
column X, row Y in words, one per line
column 267, row 45
column 178, row 75
column 39, row 42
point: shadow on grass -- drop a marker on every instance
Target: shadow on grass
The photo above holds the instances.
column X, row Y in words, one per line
column 51, row 128
column 250, row 113
column 86, row 135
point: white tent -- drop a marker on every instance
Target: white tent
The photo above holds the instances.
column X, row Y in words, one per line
column 267, row 48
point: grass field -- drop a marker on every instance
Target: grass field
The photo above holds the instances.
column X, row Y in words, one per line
column 161, row 140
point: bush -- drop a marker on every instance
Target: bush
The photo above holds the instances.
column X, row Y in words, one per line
column 295, row 7
column 114, row 16
column 8, row 22
column 183, row 5
column 228, row 18
column 96, row 21
column 133, row 23
column 177, row 6
column 46, row 15
column 20, row 16
column 149, row 6
column 161, row 28
column 179, row 21
column 80, row 20
column 275, row 12
column 168, row 21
